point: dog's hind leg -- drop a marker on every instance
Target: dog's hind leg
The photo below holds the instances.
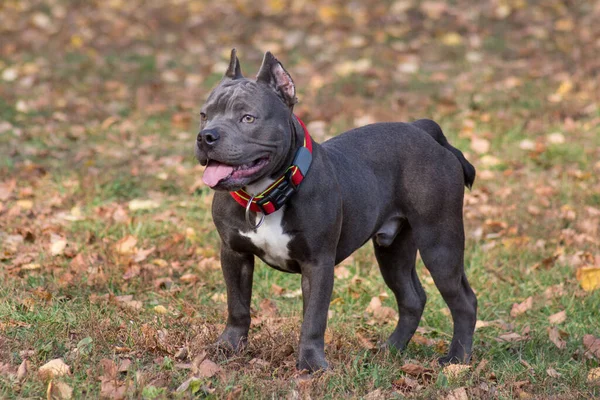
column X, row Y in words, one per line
column 397, row 264
column 442, row 251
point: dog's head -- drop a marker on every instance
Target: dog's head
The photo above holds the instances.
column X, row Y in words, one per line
column 245, row 132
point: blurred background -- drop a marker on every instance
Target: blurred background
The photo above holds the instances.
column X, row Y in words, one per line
column 101, row 197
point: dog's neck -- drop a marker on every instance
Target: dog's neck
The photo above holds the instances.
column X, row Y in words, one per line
column 297, row 134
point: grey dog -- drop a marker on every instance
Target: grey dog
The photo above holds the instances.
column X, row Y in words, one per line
column 303, row 207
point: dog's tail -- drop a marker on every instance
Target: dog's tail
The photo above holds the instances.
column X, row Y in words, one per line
column 435, row 131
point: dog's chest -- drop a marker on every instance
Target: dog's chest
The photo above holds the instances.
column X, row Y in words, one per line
column 271, row 239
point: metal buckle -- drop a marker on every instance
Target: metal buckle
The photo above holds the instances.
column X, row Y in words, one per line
column 253, row 227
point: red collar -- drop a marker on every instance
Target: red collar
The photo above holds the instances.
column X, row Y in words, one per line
column 277, row 194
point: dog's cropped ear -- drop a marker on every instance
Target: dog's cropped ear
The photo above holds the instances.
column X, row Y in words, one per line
column 272, row 73
column 234, row 71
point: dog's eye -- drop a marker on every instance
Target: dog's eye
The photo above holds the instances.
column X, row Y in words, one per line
column 248, row 119
column 203, row 117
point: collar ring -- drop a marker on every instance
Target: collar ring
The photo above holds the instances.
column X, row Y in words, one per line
column 250, row 224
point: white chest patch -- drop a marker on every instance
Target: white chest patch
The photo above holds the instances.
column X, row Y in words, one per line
column 271, row 239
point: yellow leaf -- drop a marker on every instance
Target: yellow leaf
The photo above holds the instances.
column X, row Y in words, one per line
column 76, row 41
column 564, row 88
column 452, row 39
column 589, row 277
column 25, row 204
column 593, row 375
column 160, row 309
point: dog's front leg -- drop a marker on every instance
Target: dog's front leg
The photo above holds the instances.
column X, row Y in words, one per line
column 238, row 269
column 317, row 285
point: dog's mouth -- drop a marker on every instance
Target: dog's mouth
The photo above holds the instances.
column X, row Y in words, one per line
column 218, row 173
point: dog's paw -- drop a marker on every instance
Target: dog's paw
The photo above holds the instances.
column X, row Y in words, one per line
column 453, row 359
column 312, row 361
column 231, row 342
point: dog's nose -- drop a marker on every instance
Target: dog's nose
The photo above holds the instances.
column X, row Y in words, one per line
column 208, row 136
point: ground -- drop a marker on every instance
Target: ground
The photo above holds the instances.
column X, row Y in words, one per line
column 108, row 255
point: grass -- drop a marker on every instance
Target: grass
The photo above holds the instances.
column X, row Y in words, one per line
column 104, row 127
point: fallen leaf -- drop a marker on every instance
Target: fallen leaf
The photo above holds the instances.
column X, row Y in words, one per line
column 341, row 272
column 59, row 391
column 160, row 309
column 415, row 369
column 57, row 245
column 208, row 369
column 22, row 370
column 112, row 389
column 268, row 308
column 188, row 278
column 366, row 343
column 592, row 344
column 381, row 313
column 124, row 365
column 589, row 277
column 553, row 373
column 511, row 337
column 128, row 302
column 457, row 394
column 555, row 338
column 480, row 145
column 141, row 255
column 376, row 394
column 126, row 245
column 520, row 308
column 556, row 138
column 594, row 375
column 455, row 372
column 54, row 368
column 558, row 318
column 6, row 189
column 139, row 204
column 277, row 290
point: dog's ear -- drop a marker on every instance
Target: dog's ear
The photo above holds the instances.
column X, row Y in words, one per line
column 272, row 73
column 234, row 71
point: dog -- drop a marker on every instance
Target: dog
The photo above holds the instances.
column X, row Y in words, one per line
column 303, row 207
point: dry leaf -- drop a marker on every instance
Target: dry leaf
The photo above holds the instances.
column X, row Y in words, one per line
column 415, row 369
column 553, row 373
column 22, row 371
column 592, row 344
column 455, row 372
column 268, row 308
column 376, row 394
column 160, row 309
column 511, row 337
column 555, row 338
column 457, row 394
column 480, row 145
column 594, row 376
column 589, row 277
column 382, row 314
column 59, row 391
column 141, row 255
column 126, row 245
column 277, row 290
column 366, row 343
column 54, row 368
column 6, row 189
column 520, row 308
column 558, row 318
column 341, row 272
column 208, row 369
column 138, row 204
column 57, row 245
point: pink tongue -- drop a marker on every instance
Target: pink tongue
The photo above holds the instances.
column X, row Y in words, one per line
column 215, row 171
